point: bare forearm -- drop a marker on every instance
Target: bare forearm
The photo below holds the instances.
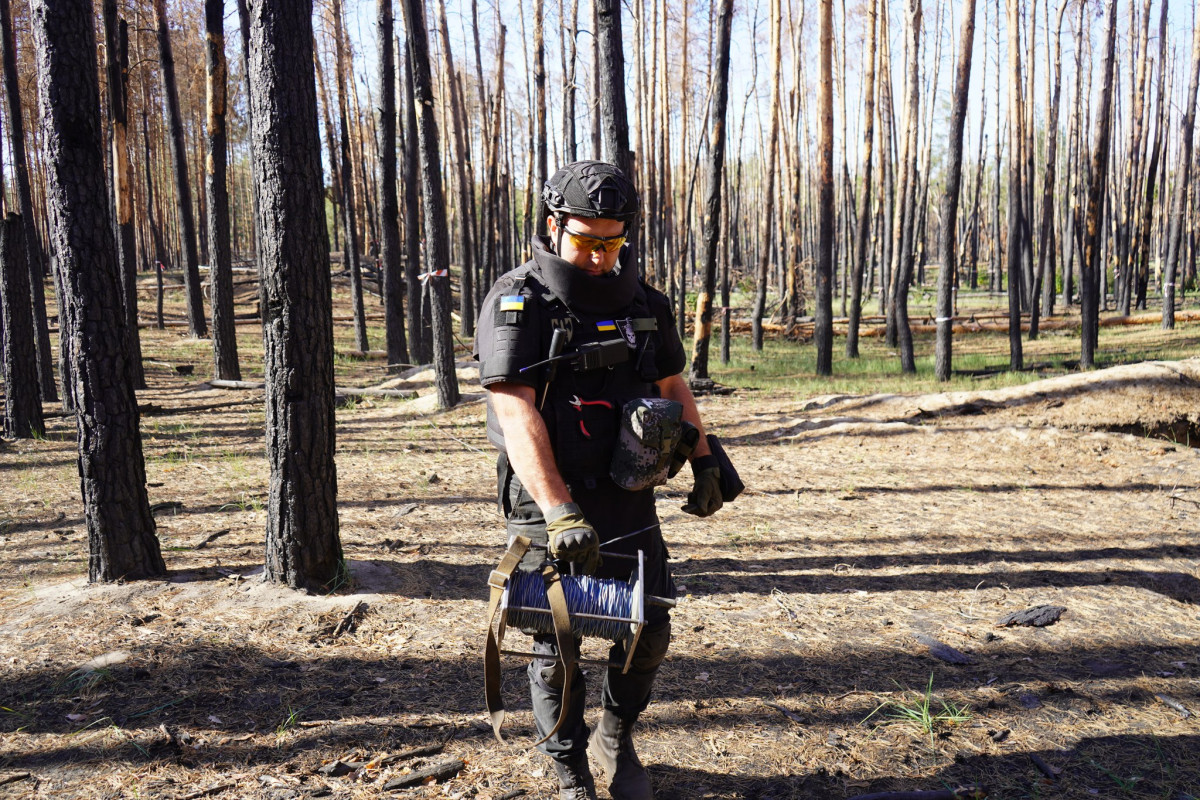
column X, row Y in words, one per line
column 528, row 444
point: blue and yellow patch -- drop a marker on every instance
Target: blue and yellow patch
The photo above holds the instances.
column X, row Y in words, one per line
column 512, row 302
column 606, row 325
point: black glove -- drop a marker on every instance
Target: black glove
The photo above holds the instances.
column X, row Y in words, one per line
column 705, row 497
column 572, row 538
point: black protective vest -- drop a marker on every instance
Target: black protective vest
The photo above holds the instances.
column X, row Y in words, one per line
column 581, row 409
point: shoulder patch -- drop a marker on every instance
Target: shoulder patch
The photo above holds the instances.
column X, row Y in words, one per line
column 512, row 302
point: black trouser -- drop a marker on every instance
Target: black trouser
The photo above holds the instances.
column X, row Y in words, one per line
column 625, row 694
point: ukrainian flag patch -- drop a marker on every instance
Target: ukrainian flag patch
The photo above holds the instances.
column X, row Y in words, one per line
column 512, row 302
column 606, row 325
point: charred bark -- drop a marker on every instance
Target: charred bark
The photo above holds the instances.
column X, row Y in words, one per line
column 183, row 190
column 22, row 387
column 389, row 211
column 1179, row 204
column 437, row 245
column 33, row 243
column 947, row 244
column 220, row 268
column 1092, row 264
column 826, row 213
column 712, row 203
column 862, row 235
column 121, row 540
column 303, row 548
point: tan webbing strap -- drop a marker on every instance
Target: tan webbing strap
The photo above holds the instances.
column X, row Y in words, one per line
column 491, row 654
column 565, row 639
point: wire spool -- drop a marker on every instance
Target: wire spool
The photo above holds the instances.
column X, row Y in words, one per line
column 602, row 608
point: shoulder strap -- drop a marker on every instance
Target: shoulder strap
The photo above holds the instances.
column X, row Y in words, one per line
column 491, row 654
column 562, row 633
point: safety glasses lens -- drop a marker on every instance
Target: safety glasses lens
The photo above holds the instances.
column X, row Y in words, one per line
column 591, row 244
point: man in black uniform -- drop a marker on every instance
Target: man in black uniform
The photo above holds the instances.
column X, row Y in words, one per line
column 556, row 426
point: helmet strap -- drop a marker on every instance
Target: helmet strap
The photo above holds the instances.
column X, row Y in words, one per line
column 560, row 223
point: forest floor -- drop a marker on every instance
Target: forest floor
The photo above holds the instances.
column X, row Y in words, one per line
column 879, row 535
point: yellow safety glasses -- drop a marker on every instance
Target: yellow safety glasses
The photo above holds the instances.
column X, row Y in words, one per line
column 590, row 244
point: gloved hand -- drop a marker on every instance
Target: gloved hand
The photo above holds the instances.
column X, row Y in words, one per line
column 705, row 497
column 572, row 538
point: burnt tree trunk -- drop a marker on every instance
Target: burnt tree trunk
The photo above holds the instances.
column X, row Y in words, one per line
column 613, row 112
column 902, row 278
column 22, row 388
column 463, row 172
column 121, row 540
column 1044, row 279
column 418, row 324
column 351, row 250
column 220, row 268
column 1092, row 264
column 826, row 213
column 389, row 221
column 183, row 190
column 116, row 63
column 862, row 234
column 947, row 244
column 1179, row 202
column 764, row 257
column 33, row 243
column 303, row 548
column 712, row 203
column 437, row 245
column 1016, row 226
column 539, row 88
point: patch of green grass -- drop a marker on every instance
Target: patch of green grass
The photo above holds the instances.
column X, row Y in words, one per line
column 245, row 502
column 928, row 713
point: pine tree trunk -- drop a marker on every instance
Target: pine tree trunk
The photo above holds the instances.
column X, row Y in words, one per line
column 612, row 73
column 464, row 171
column 303, row 547
column 569, row 32
column 22, row 387
column 768, row 215
column 1179, row 204
column 539, row 107
column 389, row 210
column 183, row 191
column 121, row 540
column 903, row 260
column 947, row 246
column 1044, row 280
column 826, row 213
column 420, row 340
column 1016, row 192
column 712, row 203
column 436, row 239
column 351, row 251
column 33, row 246
column 220, row 269
column 862, row 235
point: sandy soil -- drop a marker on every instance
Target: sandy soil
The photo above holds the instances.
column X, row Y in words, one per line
column 868, row 522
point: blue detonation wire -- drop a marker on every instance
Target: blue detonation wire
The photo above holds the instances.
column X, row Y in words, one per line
column 585, row 595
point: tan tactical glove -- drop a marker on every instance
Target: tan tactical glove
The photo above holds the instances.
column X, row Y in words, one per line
column 705, row 497
column 572, row 538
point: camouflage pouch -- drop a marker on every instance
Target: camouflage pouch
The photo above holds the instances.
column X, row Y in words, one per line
column 650, row 430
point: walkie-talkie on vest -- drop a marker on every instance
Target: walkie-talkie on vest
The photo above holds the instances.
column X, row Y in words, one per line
column 558, row 341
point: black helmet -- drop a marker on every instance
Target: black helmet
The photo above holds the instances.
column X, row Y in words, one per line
column 591, row 189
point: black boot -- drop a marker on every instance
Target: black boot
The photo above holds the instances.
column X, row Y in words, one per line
column 612, row 744
column 575, row 780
